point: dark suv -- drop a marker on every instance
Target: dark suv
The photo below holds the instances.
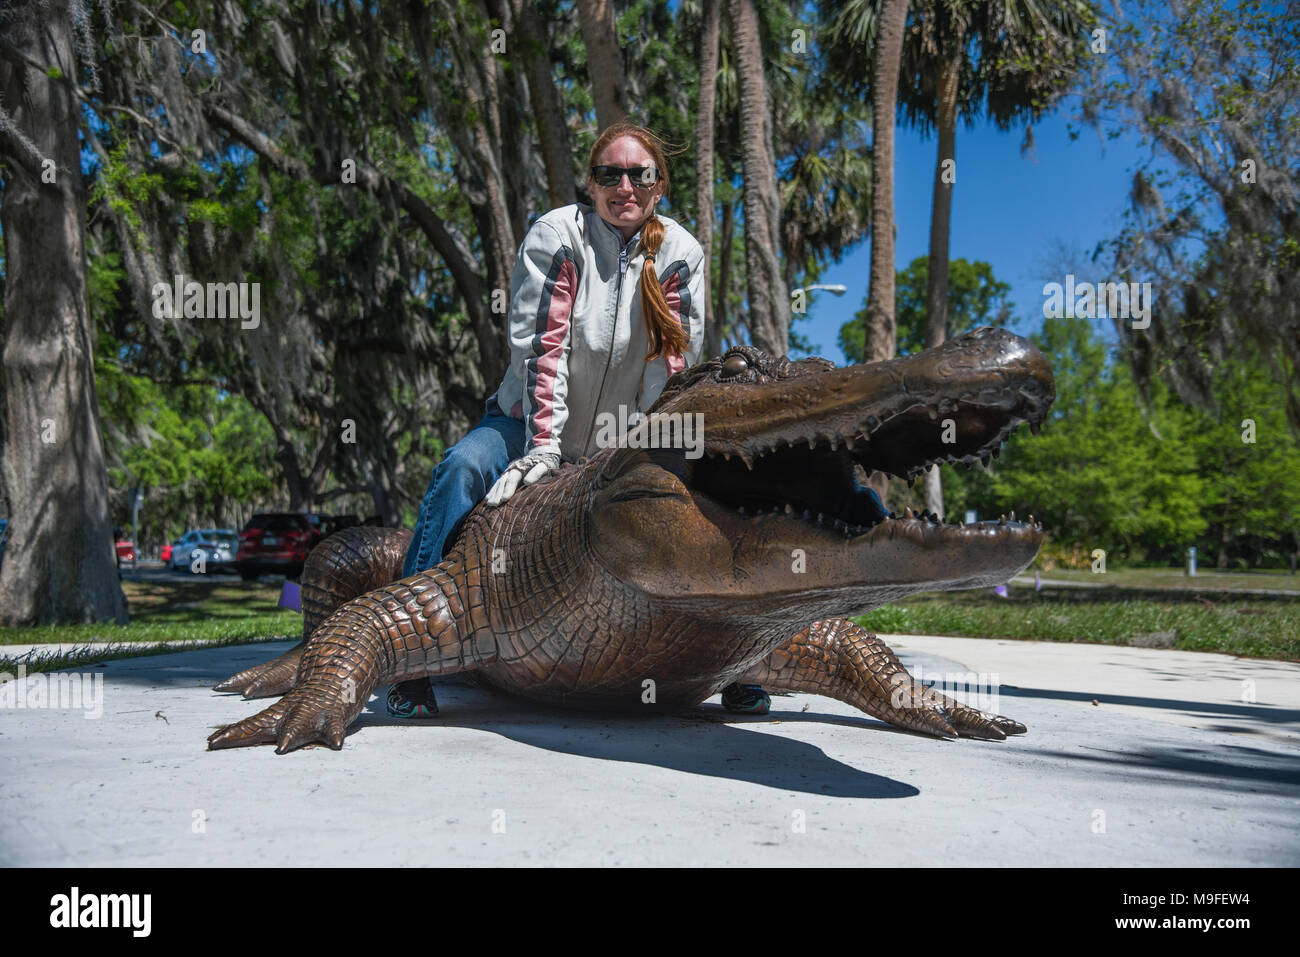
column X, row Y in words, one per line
column 276, row 542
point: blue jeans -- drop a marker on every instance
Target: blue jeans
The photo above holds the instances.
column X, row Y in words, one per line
column 462, row 479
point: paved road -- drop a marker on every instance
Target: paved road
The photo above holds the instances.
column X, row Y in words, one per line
column 1171, row 767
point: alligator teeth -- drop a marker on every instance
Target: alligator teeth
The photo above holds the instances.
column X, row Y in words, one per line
column 848, row 441
column 984, row 460
column 742, row 510
column 997, row 451
column 749, row 463
column 1035, row 427
column 807, row 514
column 821, row 517
column 789, row 509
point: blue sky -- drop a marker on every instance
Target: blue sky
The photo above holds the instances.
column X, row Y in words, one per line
column 1011, row 211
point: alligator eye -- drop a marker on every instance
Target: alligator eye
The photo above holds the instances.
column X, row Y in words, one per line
column 735, row 364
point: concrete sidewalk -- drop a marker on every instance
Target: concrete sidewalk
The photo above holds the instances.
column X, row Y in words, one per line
column 1171, row 767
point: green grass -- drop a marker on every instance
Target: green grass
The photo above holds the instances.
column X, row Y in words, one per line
column 1205, row 579
column 181, row 611
column 38, row 661
column 1265, row 629
column 229, row 611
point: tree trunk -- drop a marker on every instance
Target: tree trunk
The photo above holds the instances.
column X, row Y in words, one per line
column 713, row 334
column 879, row 339
column 936, row 291
column 60, row 563
column 482, row 177
column 552, row 130
column 604, row 61
column 769, row 299
column 879, row 342
column 1225, row 536
column 704, row 150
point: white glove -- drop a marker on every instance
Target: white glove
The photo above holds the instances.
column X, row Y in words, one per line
column 529, row 468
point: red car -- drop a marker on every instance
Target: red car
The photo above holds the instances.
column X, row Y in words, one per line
column 276, row 542
column 125, row 547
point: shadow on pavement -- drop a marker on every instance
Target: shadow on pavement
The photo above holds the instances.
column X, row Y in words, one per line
column 1252, row 712
column 1270, row 773
column 693, row 742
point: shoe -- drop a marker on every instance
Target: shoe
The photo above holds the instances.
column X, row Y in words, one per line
column 412, row 699
column 746, row 699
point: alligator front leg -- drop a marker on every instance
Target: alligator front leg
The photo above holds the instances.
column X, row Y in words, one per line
column 342, row 567
column 409, row 629
column 841, row 660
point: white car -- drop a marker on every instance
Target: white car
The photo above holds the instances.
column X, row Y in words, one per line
column 216, row 545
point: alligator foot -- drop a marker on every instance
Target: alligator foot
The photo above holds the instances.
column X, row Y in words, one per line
column 312, row 713
column 267, row 679
column 841, row 660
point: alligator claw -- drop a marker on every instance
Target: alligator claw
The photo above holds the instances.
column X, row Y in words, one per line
column 261, row 728
column 305, row 716
column 973, row 723
column 933, row 713
column 270, row 678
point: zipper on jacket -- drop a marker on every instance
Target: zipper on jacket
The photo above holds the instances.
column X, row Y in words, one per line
column 618, row 299
column 613, row 333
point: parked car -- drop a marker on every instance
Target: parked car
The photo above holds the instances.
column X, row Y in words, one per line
column 216, row 545
column 125, row 547
column 276, row 542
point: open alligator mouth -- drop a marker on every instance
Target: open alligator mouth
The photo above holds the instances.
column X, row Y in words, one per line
column 822, row 480
column 816, row 469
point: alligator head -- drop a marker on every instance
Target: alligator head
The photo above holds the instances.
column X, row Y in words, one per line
column 775, row 513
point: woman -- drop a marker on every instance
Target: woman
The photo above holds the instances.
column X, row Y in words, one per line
column 606, row 302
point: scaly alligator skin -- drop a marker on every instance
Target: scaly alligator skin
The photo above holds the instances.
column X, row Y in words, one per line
column 652, row 568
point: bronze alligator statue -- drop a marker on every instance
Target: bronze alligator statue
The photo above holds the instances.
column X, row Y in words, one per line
column 649, row 578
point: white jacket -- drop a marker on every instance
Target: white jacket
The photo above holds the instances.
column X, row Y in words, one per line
column 578, row 341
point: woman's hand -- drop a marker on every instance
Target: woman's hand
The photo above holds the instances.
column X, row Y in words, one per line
column 528, row 469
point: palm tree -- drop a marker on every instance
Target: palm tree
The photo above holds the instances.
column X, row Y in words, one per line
column 769, row 299
column 826, row 178
column 1012, row 58
column 1018, row 55
column 704, row 117
column 879, row 342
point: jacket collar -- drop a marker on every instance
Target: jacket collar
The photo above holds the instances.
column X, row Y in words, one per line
column 608, row 237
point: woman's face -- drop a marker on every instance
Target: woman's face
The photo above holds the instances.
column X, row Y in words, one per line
column 625, row 206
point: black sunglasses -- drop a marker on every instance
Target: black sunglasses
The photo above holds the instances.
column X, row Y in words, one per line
column 642, row 176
